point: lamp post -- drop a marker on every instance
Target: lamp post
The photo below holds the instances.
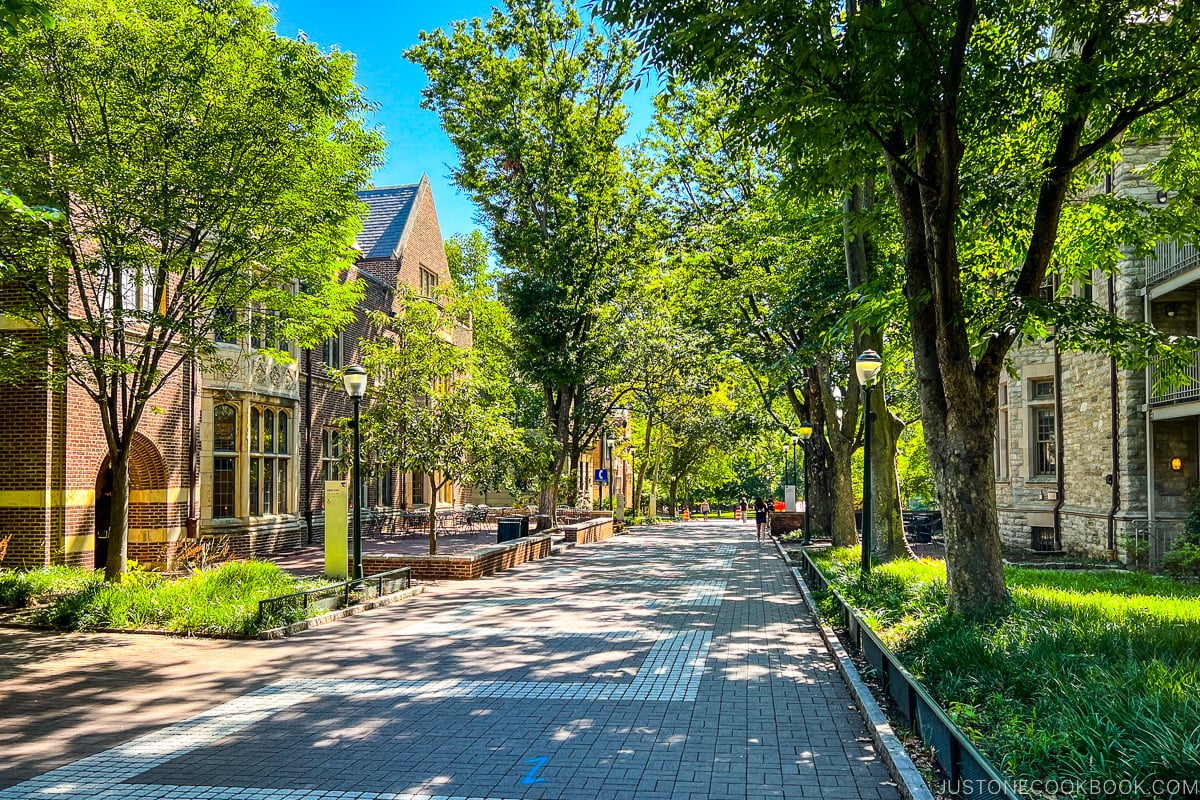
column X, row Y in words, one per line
column 867, row 365
column 355, row 381
column 795, row 473
column 608, row 447
column 803, row 434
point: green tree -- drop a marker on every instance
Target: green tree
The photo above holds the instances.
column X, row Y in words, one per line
column 989, row 117
column 531, row 99
column 431, row 409
column 476, row 280
column 202, row 164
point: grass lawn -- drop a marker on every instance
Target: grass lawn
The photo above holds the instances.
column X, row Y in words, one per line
column 1087, row 676
column 220, row 600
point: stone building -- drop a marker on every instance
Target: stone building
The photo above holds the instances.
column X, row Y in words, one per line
column 236, row 453
column 1080, row 440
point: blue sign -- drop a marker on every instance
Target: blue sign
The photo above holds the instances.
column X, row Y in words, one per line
column 601, row 476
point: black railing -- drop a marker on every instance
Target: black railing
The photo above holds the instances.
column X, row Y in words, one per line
column 968, row 771
column 294, row 607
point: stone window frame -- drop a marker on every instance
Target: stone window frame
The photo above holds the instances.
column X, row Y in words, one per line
column 269, row 460
column 331, row 454
column 1001, row 447
column 230, row 455
column 385, row 483
column 1043, row 464
column 419, row 489
column 428, row 281
column 333, row 351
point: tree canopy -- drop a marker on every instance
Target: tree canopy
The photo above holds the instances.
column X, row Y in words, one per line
column 993, row 120
column 201, row 164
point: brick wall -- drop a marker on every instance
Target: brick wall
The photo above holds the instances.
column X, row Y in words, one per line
column 467, row 566
column 589, row 531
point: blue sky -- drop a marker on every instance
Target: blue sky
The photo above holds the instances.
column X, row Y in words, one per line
column 378, row 32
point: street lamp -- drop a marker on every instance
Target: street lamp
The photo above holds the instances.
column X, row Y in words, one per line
column 795, row 472
column 867, row 366
column 608, row 447
column 355, row 381
column 804, row 433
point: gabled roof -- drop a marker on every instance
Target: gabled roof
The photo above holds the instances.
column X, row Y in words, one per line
column 390, row 209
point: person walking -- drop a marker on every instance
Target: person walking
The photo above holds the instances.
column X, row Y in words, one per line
column 704, row 509
column 760, row 518
column 743, row 506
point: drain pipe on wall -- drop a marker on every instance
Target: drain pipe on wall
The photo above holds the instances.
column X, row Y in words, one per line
column 306, row 465
column 1058, row 446
column 1114, row 479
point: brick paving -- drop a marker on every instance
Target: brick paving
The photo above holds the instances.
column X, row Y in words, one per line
column 670, row 663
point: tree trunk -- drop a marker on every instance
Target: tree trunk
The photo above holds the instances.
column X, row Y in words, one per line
column 118, row 532
column 559, row 402
column 639, row 482
column 818, row 462
column 958, row 409
column 653, row 511
column 887, row 523
column 575, row 474
column 434, row 488
column 673, row 494
column 840, row 439
column 887, row 519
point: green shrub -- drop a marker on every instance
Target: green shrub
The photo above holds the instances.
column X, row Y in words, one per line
column 19, row 587
column 1086, row 676
column 1183, row 559
column 220, row 600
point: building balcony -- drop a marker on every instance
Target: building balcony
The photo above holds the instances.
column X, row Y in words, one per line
column 1173, row 265
column 1165, row 394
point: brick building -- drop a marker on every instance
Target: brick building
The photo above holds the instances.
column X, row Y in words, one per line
column 1080, row 440
column 236, row 453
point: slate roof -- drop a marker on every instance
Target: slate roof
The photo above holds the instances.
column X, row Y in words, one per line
column 390, row 207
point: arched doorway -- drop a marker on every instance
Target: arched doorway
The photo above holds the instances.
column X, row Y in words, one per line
column 147, row 478
column 104, row 488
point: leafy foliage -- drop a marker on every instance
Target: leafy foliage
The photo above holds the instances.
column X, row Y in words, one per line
column 221, row 600
column 1087, row 676
column 432, row 410
column 531, row 98
column 200, row 164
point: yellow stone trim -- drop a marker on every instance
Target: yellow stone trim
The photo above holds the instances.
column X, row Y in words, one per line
column 45, row 498
column 79, row 498
column 10, row 323
column 79, row 542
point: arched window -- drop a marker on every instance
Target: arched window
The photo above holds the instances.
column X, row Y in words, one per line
column 224, row 471
column 270, row 462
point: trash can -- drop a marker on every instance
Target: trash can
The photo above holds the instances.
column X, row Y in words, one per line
column 525, row 525
column 509, row 528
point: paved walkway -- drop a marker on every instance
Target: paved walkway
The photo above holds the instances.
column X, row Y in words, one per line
column 674, row 663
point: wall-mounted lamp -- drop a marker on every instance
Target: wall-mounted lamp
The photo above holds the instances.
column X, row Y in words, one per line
column 1170, row 309
column 1177, row 464
column 1161, row 197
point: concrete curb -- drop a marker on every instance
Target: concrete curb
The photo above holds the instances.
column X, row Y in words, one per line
column 892, row 750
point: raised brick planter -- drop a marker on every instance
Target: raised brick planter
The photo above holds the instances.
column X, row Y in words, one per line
column 464, row 566
column 588, row 531
column 785, row 523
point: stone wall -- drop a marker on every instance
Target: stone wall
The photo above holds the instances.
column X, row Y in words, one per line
column 1026, row 500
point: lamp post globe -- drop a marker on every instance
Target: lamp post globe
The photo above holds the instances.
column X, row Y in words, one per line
column 867, row 365
column 803, row 434
column 355, row 381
